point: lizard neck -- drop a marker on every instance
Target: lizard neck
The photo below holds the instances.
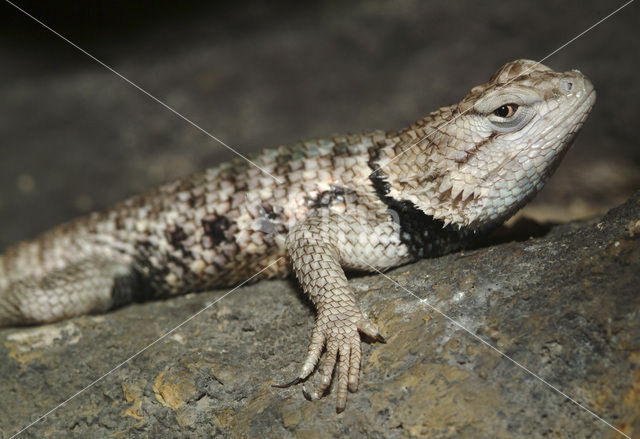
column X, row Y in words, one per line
column 424, row 235
column 415, row 166
column 399, row 183
column 434, row 165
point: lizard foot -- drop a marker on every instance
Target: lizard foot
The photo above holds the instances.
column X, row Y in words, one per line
column 340, row 335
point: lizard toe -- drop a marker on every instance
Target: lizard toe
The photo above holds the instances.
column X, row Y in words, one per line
column 370, row 330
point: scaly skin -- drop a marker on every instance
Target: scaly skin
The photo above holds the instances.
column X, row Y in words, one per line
column 376, row 199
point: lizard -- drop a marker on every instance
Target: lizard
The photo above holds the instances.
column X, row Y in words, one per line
column 368, row 201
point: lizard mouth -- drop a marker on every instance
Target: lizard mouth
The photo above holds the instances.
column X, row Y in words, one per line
column 579, row 113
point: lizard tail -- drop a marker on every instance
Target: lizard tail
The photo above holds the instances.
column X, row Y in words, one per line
column 10, row 314
column 92, row 285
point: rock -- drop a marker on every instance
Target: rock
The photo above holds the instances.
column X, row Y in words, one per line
column 565, row 306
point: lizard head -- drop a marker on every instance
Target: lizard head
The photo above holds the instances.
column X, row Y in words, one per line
column 492, row 152
column 524, row 120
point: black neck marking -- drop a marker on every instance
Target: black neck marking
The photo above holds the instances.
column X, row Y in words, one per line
column 425, row 235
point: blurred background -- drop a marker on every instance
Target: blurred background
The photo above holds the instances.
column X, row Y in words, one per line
column 74, row 137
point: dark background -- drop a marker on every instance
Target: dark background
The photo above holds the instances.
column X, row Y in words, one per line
column 74, row 137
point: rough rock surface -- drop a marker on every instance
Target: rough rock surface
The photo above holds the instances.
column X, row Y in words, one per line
column 565, row 305
column 73, row 138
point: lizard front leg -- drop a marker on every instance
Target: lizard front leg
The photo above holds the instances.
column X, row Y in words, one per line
column 319, row 247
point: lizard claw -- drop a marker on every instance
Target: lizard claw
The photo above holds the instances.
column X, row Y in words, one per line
column 289, row 384
column 340, row 336
column 306, row 394
column 370, row 330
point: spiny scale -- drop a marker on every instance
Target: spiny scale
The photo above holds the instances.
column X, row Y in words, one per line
column 358, row 201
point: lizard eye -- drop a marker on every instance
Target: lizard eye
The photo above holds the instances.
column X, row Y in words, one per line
column 506, row 111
